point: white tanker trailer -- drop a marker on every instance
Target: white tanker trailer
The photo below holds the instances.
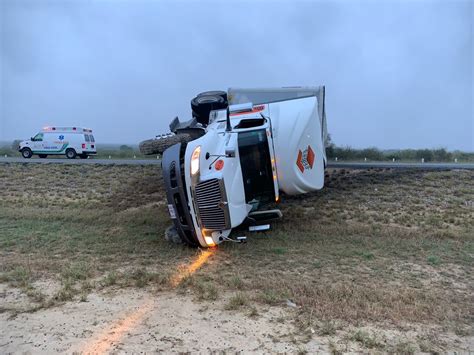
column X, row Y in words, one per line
column 226, row 166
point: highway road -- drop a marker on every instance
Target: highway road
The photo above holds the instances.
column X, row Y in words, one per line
column 346, row 165
column 36, row 160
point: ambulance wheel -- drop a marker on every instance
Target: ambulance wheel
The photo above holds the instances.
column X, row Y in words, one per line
column 26, row 153
column 70, row 153
column 43, row 155
column 83, row 156
column 171, row 235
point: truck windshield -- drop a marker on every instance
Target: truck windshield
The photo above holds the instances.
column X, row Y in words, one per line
column 256, row 167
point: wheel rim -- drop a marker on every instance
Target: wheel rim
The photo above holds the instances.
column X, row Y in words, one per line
column 207, row 100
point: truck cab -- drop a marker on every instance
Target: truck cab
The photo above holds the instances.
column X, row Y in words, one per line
column 264, row 142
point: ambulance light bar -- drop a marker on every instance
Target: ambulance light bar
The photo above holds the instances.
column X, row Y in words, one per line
column 67, row 129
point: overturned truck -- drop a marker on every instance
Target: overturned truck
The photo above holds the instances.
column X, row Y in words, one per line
column 225, row 168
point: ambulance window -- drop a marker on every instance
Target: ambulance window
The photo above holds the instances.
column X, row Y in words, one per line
column 86, row 136
column 38, row 137
column 92, row 138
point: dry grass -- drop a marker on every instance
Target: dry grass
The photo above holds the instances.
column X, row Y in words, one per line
column 80, row 223
column 390, row 249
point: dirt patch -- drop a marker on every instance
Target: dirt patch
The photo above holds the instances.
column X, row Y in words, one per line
column 147, row 321
column 140, row 321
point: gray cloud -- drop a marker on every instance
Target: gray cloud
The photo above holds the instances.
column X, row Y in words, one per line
column 398, row 74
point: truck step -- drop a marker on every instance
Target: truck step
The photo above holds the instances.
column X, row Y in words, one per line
column 259, row 228
column 263, row 216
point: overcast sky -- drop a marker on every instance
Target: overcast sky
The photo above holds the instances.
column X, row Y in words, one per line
column 398, row 74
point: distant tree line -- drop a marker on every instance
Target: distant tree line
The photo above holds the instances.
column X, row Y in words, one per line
column 375, row 154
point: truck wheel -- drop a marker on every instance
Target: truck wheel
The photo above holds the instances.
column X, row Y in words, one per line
column 70, row 153
column 160, row 144
column 26, row 153
column 83, row 156
column 43, row 155
column 203, row 105
column 222, row 94
column 171, row 235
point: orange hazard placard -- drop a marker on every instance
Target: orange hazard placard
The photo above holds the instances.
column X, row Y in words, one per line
column 305, row 159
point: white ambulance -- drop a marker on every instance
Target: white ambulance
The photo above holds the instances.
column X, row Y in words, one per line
column 69, row 141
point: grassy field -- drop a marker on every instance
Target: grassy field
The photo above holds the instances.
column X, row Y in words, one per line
column 379, row 258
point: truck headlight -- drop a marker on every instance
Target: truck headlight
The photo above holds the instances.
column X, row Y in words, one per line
column 195, row 160
column 209, row 241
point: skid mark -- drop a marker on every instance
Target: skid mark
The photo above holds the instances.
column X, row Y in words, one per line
column 104, row 341
column 191, row 268
column 115, row 332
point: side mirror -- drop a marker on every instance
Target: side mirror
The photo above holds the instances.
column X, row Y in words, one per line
column 32, row 139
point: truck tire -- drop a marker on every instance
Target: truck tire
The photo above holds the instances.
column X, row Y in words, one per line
column 43, row 155
column 171, row 235
column 71, row 153
column 26, row 153
column 222, row 94
column 203, row 105
column 160, row 144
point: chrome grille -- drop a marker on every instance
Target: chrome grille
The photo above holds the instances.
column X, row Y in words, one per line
column 209, row 196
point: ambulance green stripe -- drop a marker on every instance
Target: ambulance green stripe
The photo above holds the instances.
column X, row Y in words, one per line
column 51, row 151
